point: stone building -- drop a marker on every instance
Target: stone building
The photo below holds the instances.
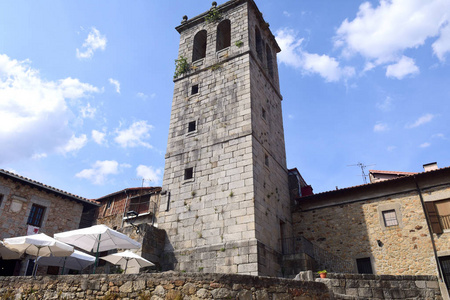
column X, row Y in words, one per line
column 129, row 206
column 28, row 207
column 226, row 200
column 399, row 226
column 132, row 211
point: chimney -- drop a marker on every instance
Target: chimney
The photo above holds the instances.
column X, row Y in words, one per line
column 430, row 167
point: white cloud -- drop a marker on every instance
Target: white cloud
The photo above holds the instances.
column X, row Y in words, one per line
column 74, row 144
column 403, row 67
column 135, row 135
column 391, row 148
column 88, row 111
column 149, row 174
column 425, row 145
column 100, row 171
column 72, row 88
column 442, row 45
column 99, row 137
column 116, row 84
column 286, row 13
column 93, row 42
column 35, row 113
column 39, row 156
column 380, row 127
column 439, row 136
column 422, row 120
column 144, row 96
column 293, row 55
column 381, row 34
column 385, row 105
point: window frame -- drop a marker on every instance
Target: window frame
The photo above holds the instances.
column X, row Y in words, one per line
column 387, row 218
column 36, row 218
column 387, row 207
column 187, row 171
column 365, row 259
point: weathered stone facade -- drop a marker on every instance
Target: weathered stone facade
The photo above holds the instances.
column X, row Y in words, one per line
column 349, row 223
column 191, row 286
column 58, row 210
column 60, row 213
column 225, row 176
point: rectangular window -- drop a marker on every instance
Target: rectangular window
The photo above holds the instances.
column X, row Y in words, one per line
column 188, row 173
column 1, row 199
column 192, row 126
column 194, row 89
column 108, row 205
column 364, row 265
column 263, row 113
column 266, row 160
column 140, row 204
column 36, row 215
column 445, row 266
column 390, row 218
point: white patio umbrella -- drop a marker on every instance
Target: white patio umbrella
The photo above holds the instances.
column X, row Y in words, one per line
column 5, row 253
column 76, row 261
column 127, row 258
column 38, row 245
column 97, row 238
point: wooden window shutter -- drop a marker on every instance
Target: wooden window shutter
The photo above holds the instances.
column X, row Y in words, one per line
column 433, row 217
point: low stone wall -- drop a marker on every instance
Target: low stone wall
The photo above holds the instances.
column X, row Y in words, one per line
column 168, row 285
column 358, row 286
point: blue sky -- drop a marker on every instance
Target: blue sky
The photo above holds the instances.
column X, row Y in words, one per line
column 86, row 88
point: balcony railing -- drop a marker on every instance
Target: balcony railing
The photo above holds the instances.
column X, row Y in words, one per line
column 323, row 258
column 143, row 207
column 445, row 221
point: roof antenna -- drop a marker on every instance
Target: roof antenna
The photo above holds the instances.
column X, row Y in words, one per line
column 142, row 179
column 362, row 166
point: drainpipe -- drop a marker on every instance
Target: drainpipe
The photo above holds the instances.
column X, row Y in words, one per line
column 125, row 207
column 419, row 191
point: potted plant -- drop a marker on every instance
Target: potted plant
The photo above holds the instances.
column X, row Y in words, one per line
column 322, row 274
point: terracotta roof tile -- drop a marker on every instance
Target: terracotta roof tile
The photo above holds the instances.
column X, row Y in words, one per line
column 47, row 187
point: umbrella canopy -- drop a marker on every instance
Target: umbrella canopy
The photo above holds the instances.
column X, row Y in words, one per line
column 38, row 245
column 5, row 253
column 127, row 259
column 97, row 238
column 76, row 261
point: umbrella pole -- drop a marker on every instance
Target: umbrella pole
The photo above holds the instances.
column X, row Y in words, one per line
column 64, row 265
column 126, row 266
column 35, row 263
column 96, row 256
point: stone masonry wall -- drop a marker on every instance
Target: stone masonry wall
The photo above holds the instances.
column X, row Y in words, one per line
column 228, row 151
column 213, row 210
column 159, row 286
column 362, row 287
column 352, row 231
column 60, row 214
column 442, row 241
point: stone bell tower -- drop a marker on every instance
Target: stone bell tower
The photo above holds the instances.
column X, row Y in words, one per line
column 225, row 203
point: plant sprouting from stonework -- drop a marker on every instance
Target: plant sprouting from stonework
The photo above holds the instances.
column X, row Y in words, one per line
column 239, row 43
column 181, row 66
column 213, row 15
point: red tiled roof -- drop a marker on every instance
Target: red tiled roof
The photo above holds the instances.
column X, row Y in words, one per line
column 47, row 187
column 392, row 172
column 149, row 188
column 407, row 174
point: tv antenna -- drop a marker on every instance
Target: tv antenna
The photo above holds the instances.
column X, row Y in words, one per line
column 362, row 166
column 142, row 179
